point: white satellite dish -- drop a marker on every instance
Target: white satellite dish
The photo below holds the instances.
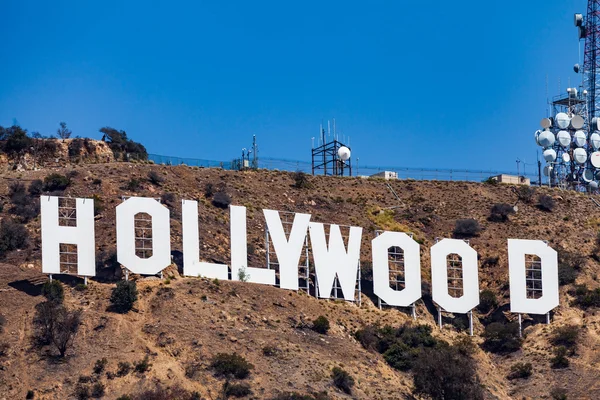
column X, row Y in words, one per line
column 547, row 170
column 580, row 139
column 566, row 157
column 577, row 122
column 564, row 138
column 588, row 175
column 594, row 185
column 579, row 155
column 595, row 159
column 546, row 123
column 344, row 153
column 549, row 155
column 595, row 140
column 594, row 124
column 562, row 120
column 546, row 139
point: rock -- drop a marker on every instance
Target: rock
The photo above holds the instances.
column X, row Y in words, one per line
column 233, row 339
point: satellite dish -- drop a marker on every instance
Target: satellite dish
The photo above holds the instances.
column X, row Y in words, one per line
column 577, row 122
column 549, row 155
column 562, row 120
column 547, row 170
column 595, row 140
column 594, row 185
column 546, row 123
column 595, row 159
column 585, row 92
column 578, row 20
column 580, row 156
column 344, row 153
column 580, row 138
column 546, row 139
column 576, row 68
column 582, row 32
column 566, row 157
column 594, row 124
column 564, row 138
column 588, row 175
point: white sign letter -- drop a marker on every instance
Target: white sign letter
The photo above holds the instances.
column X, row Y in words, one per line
column 239, row 250
column 191, row 246
column 439, row 276
column 381, row 269
column 334, row 259
column 161, row 240
column 81, row 235
column 519, row 303
column 288, row 251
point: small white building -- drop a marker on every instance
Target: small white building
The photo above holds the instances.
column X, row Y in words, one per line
column 387, row 175
column 512, row 179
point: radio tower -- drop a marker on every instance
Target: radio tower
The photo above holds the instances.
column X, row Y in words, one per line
column 589, row 31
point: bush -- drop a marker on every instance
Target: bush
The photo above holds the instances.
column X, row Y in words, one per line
column 56, row 325
column 209, row 190
column 56, row 182
column 585, row 298
column 236, row 389
column 123, row 368
column 13, row 236
column 500, row 212
column 120, row 144
column 487, row 301
column 546, row 203
column 231, row 365
column 301, row 180
column 53, row 291
column 98, row 204
column 36, row 187
column 75, row 148
column 98, row 390
column 123, row 297
column 155, row 178
column 566, row 274
column 560, row 359
column 82, row 391
column 491, row 181
column 30, row 395
column 525, row 194
column 168, row 198
column 321, row 325
column 558, row 393
column 566, row 336
column 221, row 200
column 342, row 380
column 502, row 338
column 16, row 140
column 133, row 185
column 520, row 371
column 443, row 373
column 298, row 396
column 100, row 366
column 466, row 228
column 143, row 365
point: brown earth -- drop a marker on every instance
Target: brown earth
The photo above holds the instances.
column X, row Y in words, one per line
column 183, row 322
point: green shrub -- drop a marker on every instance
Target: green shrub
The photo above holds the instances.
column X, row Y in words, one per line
column 142, row 365
column 525, row 193
column 546, row 203
column 520, row 371
column 321, row 325
column 53, row 291
column 502, row 338
column 221, row 200
column 466, row 228
column 30, row 395
column 560, row 359
column 586, row 298
column 500, row 212
column 100, row 366
column 36, row 187
column 236, row 389
column 342, row 380
column 13, row 236
column 155, row 178
column 301, row 180
column 98, row 390
column 123, row 368
column 566, row 336
column 209, row 190
column 487, row 301
column 124, row 296
column 82, row 391
column 558, row 393
column 133, row 185
column 56, row 182
column 442, row 373
column 231, row 365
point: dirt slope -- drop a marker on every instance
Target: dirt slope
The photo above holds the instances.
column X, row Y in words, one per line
column 186, row 321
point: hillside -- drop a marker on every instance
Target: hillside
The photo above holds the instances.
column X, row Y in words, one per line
column 181, row 323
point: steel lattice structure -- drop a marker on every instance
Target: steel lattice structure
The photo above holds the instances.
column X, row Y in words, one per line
column 590, row 32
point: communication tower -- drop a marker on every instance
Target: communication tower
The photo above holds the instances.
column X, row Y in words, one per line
column 331, row 156
column 570, row 137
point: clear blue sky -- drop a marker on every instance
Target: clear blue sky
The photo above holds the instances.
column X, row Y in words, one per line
column 447, row 84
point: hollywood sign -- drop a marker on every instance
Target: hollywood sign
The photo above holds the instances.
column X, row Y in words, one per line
column 332, row 258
